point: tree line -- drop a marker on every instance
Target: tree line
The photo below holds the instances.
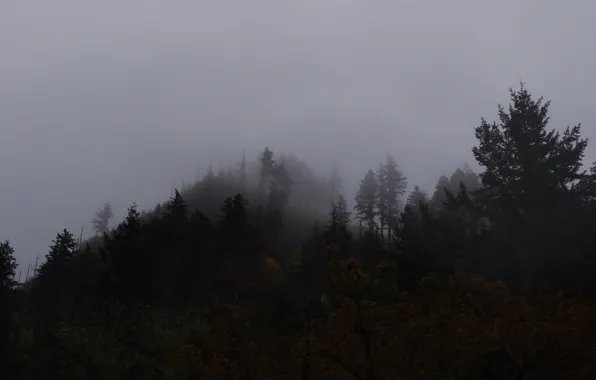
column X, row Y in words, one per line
column 262, row 271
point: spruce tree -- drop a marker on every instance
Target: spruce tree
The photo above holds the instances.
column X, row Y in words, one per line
column 132, row 222
column 8, row 267
column 528, row 168
column 280, row 186
column 62, row 251
column 267, row 167
column 366, row 200
column 339, row 232
column 102, row 218
column 417, row 198
column 176, row 208
column 392, row 185
column 7, row 285
column 530, row 191
column 440, row 195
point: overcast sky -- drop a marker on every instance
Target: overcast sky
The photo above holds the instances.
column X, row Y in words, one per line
column 116, row 100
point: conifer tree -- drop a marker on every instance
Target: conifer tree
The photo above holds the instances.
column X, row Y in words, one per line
column 340, row 221
column 177, row 207
column 7, row 285
column 335, row 183
column 267, row 167
column 61, row 251
column 527, row 167
column 529, row 189
column 392, row 185
column 132, row 222
column 8, row 267
column 102, row 219
column 243, row 174
column 235, row 214
column 417, row 198
column 440, row 195
column 366, row 200
column 280, row 186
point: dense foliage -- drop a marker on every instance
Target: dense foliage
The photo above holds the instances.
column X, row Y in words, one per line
column 252, row 273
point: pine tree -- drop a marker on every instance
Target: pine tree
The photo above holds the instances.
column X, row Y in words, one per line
column 61, row 251
column 102, row 218
column 527, row 167
column 471, row 180
column 7, row 328
column 281, row 186
column 243, row 174
column 235, row 214
column 267, row 163
column 335, row 183
column 417, row 198
column 530, row 191
column 8, row 267
column 177, row 207
column 440, row 195
column 132, row 222
column 339, row 232
column 366, row 200
column 392, row 185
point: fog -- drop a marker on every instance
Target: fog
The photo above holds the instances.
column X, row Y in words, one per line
column 121, row 100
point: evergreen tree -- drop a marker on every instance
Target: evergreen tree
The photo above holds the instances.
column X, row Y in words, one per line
column 280, row 186
column 417, row 198
column 392, row 185
column 61, row 251
column 335, row 183
column 440, row 195
column 339, row 232
column 132, row 222
column 8, row 266
column 7, row 285
column 176, row 208
column 243, row 174
column 366, row 200
column 530, row 191
column 471, row 180
column 235, row 214
column 452, row 186
column 267, row 167
column 102, row 218
column 527, row 167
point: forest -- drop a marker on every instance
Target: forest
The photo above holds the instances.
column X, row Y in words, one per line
column 262, row 271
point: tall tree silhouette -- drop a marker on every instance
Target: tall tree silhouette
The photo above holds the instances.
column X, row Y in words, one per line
column 527, row 167
column 366, row 200
column 338, row 232
column 102, row 219
column 176, row 208
column 440, row 195
column 335, row 183
column 243, row 174
column 267, row 167
column 61, row 252
column 7, row 285
column 417, row 198
column 392, row 185
column 8, row 267
column 281, row 185
column 530, row 191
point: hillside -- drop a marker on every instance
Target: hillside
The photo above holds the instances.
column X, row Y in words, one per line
column 262, row 271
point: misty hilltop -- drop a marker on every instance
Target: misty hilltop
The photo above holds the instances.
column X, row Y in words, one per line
column 261, row 268
column 123, row 100
column 297, row 190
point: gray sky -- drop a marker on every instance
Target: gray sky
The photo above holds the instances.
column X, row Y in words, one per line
column 118, row 99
